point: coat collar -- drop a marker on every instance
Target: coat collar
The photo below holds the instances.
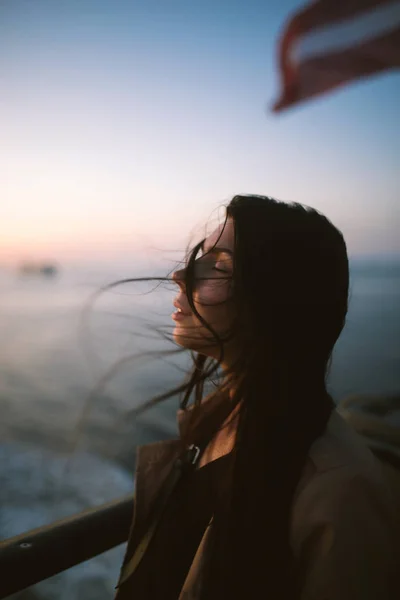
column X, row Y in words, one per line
column 155, row 460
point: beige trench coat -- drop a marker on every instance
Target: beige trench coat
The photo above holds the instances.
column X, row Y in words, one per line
column 343, row 518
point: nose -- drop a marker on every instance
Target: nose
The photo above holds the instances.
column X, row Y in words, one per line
column 179, row 278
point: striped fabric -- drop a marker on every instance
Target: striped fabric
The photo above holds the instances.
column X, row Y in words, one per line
column 333, row 42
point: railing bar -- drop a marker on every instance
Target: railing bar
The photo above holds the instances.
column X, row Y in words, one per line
column 41, row 553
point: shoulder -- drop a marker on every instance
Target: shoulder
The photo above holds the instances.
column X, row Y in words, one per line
column 341, row 474
column 341, row 456
column 343, row 518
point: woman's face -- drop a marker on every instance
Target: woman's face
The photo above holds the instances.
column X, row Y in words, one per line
column 211, row 296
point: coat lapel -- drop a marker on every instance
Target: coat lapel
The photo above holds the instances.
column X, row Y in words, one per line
column 153, row 464
column 193, row 581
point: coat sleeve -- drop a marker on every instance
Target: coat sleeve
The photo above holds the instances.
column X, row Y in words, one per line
column 343, row 538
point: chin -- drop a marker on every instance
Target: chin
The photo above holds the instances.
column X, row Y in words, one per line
column 186, row 339
column 183, row 337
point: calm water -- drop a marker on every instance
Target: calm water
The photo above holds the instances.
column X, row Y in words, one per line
column 49, row 363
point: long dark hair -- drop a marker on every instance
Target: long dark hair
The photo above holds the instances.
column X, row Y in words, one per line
column 290, row 292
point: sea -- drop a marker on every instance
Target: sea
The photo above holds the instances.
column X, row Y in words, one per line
column 77, row 358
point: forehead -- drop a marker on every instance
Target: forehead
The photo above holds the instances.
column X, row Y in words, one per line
column 222, row 236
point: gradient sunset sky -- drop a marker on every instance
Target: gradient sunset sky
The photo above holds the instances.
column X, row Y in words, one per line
column 125, row 124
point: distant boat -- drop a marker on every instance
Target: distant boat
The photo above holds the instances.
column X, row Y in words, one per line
column 44, row 269
column 49, row 270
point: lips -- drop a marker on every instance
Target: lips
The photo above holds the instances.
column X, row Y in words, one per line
column 180, row 310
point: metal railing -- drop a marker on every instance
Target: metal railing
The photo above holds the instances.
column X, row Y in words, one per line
column 38, row 554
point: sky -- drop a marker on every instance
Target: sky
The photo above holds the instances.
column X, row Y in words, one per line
column 124, row 125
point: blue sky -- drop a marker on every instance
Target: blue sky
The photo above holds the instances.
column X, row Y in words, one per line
column 125, row 124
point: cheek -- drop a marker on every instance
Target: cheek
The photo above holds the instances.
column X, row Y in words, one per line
column 211, row 292
column 212, row 301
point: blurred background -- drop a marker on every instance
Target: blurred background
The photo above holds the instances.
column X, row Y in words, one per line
column 124, row 126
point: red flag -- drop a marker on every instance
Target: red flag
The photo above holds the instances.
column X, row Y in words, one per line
column 333, row 42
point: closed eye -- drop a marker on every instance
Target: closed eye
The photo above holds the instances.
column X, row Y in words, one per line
column 210, row 262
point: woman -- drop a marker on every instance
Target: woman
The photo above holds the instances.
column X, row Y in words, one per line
column 280, row 498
